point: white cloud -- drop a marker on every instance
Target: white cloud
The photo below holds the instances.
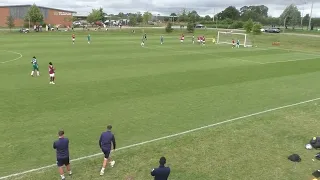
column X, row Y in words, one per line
column 166, row 7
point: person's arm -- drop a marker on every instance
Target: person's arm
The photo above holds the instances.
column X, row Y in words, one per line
column 153, row 172
column 114, row 142
column 54, row 145
column 100, row 140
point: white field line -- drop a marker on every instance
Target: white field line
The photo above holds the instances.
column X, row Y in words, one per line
column 239, row 59
column 20, row 56
column 196, row 52
column 167, row 137
column 296, row 50
column 292, row 60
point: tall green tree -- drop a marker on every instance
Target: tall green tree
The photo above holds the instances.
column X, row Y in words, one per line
column 305, row 20
column 102, row 15
column 34, row 14
column 273, row 21
column 132, row 20
column 230, row 12
column 190, row 27
column 248, row 26
column 10, row 22
column 207, row 18
column 169, row 28
column 139, row 17
column 183, row 17
column 121, row 15
column 94, row 16
column 256, row 13
column 147, row 17
column 256, row 28
column 291, row 16
column 193, row 16
column 173, row 17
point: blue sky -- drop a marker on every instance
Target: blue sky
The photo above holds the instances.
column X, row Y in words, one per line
column 165, row 7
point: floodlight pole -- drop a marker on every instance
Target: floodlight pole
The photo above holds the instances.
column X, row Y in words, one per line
column 302, row 14
column 310, row 16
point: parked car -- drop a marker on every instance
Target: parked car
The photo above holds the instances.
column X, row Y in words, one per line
column 273, row 30
column 24, row 30
column 199, row 26
column 77, row 23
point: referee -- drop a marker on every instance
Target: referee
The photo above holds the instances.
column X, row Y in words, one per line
column 105, row 141
column 62, row 149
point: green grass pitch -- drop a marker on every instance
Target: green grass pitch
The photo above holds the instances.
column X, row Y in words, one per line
column 156, row 91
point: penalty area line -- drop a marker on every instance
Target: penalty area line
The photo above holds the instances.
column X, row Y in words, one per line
column 167, row 137
column 20, row 56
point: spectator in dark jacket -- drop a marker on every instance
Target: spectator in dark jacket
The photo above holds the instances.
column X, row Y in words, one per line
column 62, row 149
column 105, row 141
column 315, row 142
column 162, row 172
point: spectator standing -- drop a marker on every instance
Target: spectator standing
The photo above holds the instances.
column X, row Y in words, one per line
column 162, row 172
column 62, row 150
column 106, row 139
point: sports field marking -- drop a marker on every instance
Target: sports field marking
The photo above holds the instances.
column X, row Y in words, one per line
column 214, row 55
column 167, row 137
column 20, row 56
column 293, row 60
column 296, row 50
column 240, row 59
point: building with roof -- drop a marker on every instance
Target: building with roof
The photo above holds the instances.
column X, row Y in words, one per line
column 50, row 15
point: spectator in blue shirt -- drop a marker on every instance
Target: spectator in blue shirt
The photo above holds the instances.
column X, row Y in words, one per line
column 162, row 172
column 62, row 150
column 105, row 141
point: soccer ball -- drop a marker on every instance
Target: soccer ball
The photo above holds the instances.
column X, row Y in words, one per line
column 308, row 146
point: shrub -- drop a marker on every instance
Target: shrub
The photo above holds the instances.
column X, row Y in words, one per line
column 190, row 27
column 248, row 26
column 169, row 28
column 256, row 29
column 237, row 25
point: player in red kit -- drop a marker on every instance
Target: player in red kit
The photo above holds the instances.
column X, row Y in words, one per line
column 233, row 44
column 182, row 38
column 51, row 73
column 203, row 40
column 73, row 38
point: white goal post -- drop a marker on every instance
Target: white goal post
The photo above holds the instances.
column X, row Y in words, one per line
column 227, row 37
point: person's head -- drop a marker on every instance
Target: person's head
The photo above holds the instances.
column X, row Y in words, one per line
column 61, row 133
column 109, row 127
column 162, row 161
column 50, row 63
column 34, row 57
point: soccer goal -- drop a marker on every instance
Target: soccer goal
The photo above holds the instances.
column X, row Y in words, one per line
column 228, row 37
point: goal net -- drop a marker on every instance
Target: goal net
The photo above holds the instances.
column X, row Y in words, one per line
column 228, row 37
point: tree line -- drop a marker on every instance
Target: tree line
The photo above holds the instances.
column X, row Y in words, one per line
column 230, row 17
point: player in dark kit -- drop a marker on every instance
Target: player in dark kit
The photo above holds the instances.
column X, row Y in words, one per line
column 62, row 149
column 105, row 141
column 162, row 172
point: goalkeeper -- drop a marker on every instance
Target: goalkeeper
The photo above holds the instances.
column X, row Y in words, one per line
column 238, row 43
